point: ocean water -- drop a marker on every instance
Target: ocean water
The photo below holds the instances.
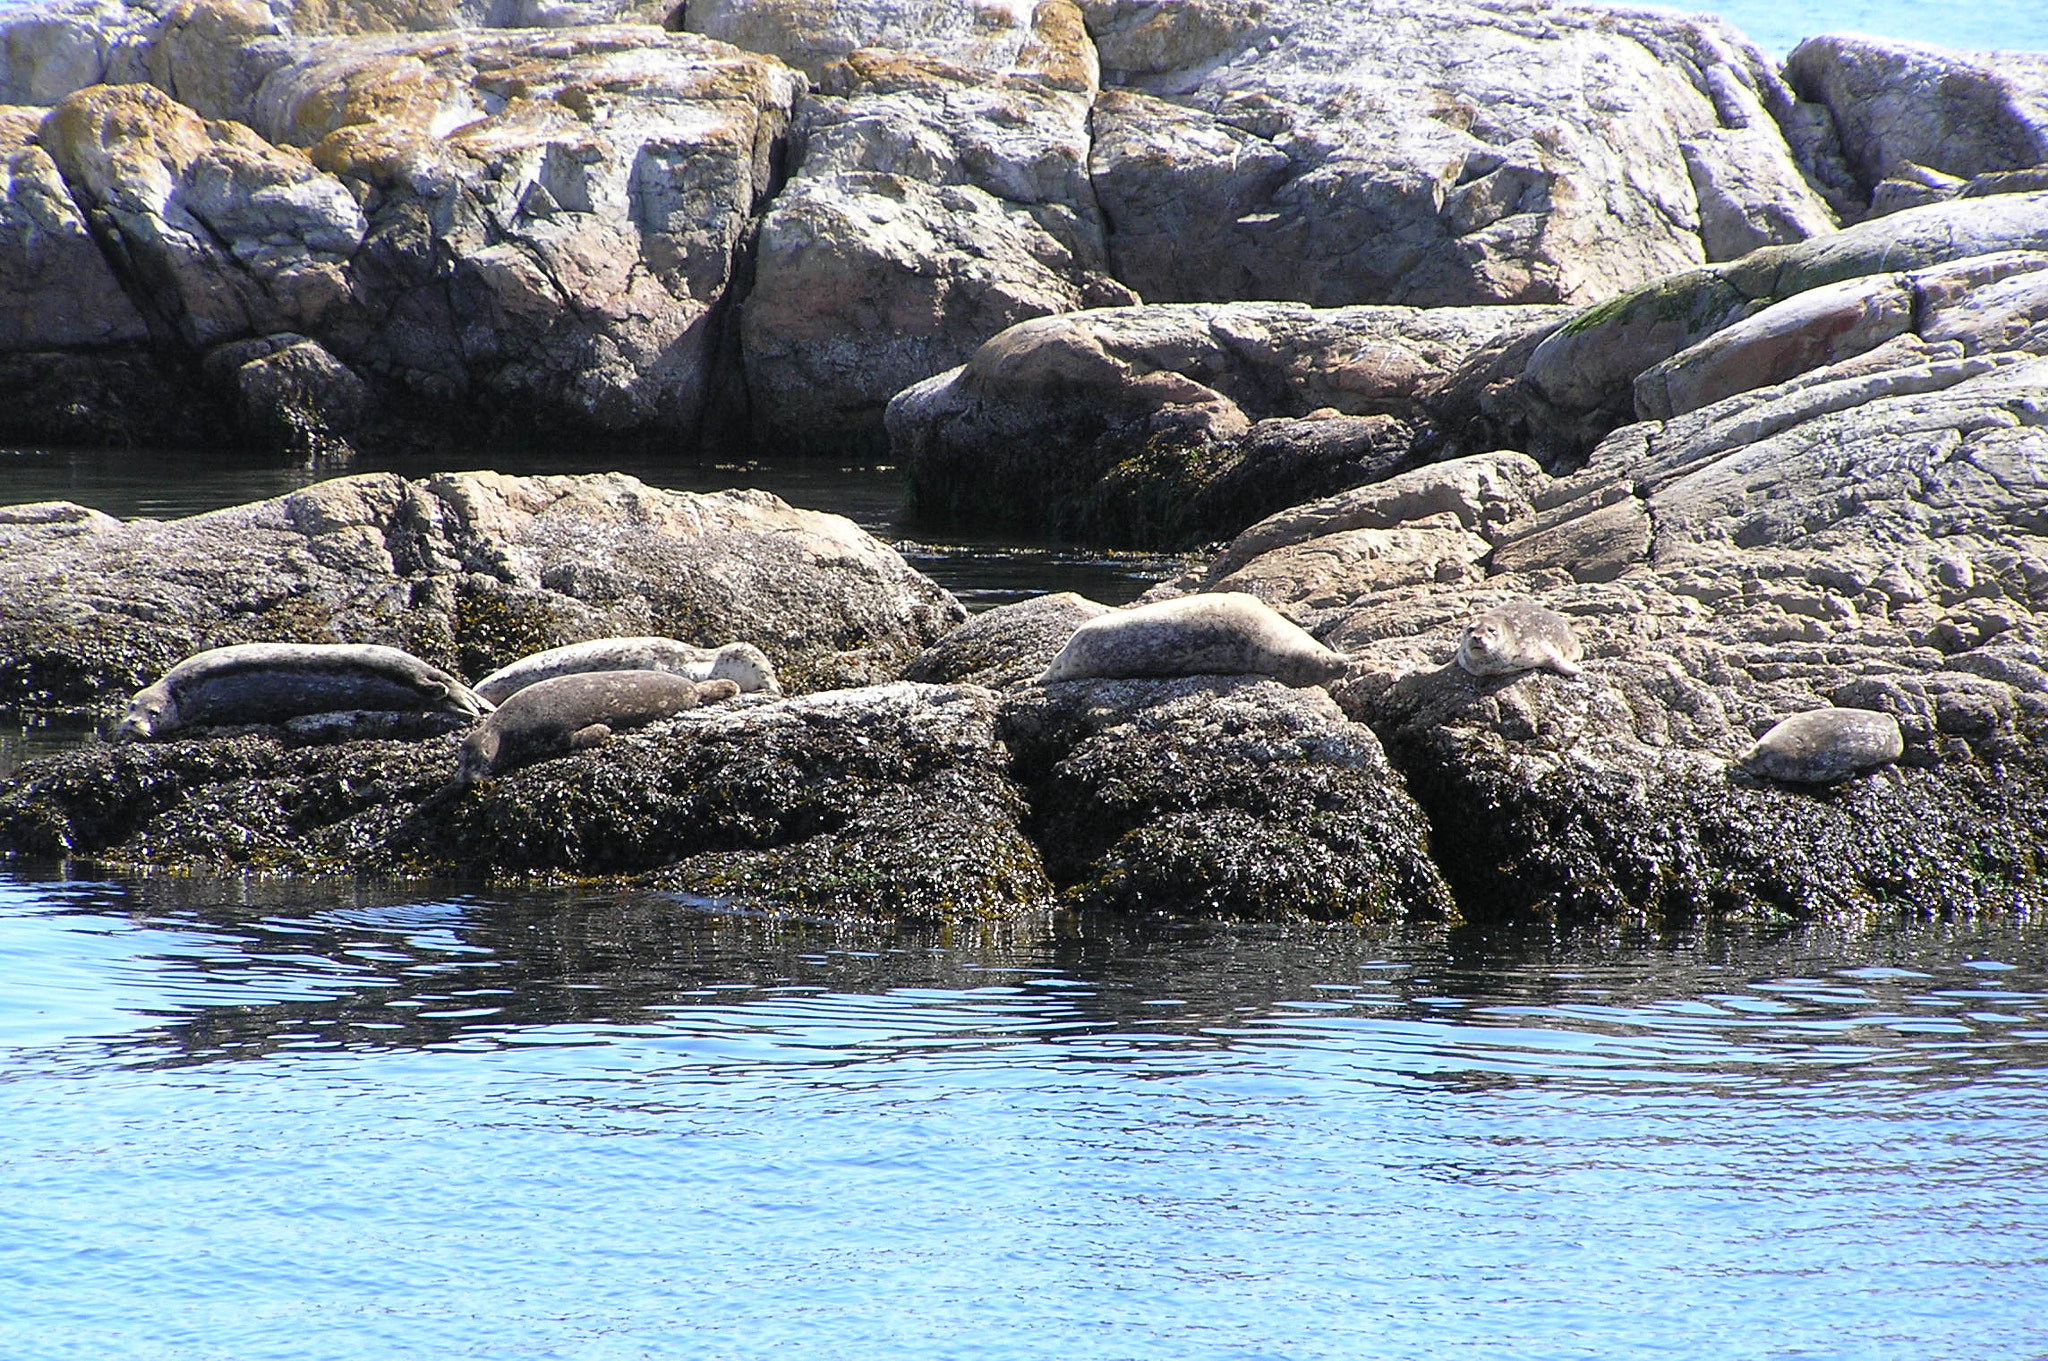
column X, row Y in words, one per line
column 1993, row 25
column 278, row 1122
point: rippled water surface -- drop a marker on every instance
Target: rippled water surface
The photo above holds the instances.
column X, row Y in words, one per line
column 298, row 1121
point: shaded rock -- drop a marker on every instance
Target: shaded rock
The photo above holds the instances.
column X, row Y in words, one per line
column 1434, row 155
column 468, row 571
column 289, row 393
column 1173, row 424
column 1904, row 107
column 1217, row 795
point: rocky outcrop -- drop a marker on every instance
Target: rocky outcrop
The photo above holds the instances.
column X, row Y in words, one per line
column 1434, row 154
column 1917, row 123
column 467, row 570
column 1558, row 394
column 1177, row 424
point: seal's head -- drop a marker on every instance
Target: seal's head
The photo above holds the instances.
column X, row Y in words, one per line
column 479, row 756
column 151, row 713
column 1480, row 646
column 747, row 667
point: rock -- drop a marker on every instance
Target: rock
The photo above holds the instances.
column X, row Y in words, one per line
column 289, row 393
column 56, row 289
column 1434, row 154
column 1174, row 424
column 468, row 571
column 891, row 803
column 1578, row 382
column 928, row 207
column 1217, row 796
column 556, row 216
column 1899, row 106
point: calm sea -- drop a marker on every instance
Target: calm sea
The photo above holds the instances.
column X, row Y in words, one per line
column 1989, row 26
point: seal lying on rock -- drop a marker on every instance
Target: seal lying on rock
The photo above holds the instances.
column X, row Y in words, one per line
column 272, row 682
column 1225, row 633
column 1822, row 746
column 574, row 713
column 1520, row 635
column 742, row 663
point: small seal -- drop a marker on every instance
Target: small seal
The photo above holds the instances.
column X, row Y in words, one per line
column 272, row 682
column 1821, row 746
column 1223, row 633
column 742, row 663
column 574, row 713
column 1519, row 636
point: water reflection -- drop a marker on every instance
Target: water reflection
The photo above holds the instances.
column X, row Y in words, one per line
column 236, row 970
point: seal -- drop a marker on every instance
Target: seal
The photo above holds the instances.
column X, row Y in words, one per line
column 1222, row 633
column 1821, row 746
column 1520, row 635
column 742, row 663
column 574, row 713
column 272, row 682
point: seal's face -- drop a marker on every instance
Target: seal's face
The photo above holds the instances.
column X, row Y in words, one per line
column 1481, row 640
column 149, row 713
column 479, row 752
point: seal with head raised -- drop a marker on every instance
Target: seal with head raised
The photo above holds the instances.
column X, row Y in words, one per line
column 574, row 713
column 1821, row 746
column 741, row 663
column 1222, row 633
column 272, row 682
column 1520, row 635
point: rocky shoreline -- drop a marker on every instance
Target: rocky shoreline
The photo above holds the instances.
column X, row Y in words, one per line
column 1744, row 371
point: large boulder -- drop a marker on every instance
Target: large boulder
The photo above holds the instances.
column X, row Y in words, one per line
column 1434, row 154
column 467, row 570
column 1181, row 423
column 935, row 196
column 1902, row 109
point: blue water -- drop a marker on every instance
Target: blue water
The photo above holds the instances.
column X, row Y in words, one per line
column 1980, row 26
column 246, row 1122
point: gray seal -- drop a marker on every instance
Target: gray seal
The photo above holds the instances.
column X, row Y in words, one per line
column 1520, row 635
column 1821, row 746
column 742, row 663
column 574, row 713
column 1222, row 633
column 273, row 682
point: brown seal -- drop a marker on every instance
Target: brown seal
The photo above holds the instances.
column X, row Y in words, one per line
column 742, row 663
column 1821, row 746
column 574, row 713
column 1520, row 635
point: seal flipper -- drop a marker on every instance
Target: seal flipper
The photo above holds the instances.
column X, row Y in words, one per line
column 583, row 739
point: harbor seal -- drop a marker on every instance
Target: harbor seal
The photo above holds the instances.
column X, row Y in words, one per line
column 1226, row 633
column 742, row 663
column 1821, row 746
column 1520, row 635
column 574, row 713
column 272, row 682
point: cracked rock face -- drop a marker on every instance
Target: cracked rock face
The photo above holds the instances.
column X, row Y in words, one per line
column 468, row 570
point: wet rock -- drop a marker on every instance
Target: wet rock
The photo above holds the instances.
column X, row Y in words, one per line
column 467, row 570
column 1007, row 646
column 289, row 393
column 1232, row 796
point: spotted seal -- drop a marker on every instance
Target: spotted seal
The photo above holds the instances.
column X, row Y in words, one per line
column 1821, row 746
column 1520, row 635
column 576, row 712
column 742, row 663
column 273, row 682
column 1224, row 633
